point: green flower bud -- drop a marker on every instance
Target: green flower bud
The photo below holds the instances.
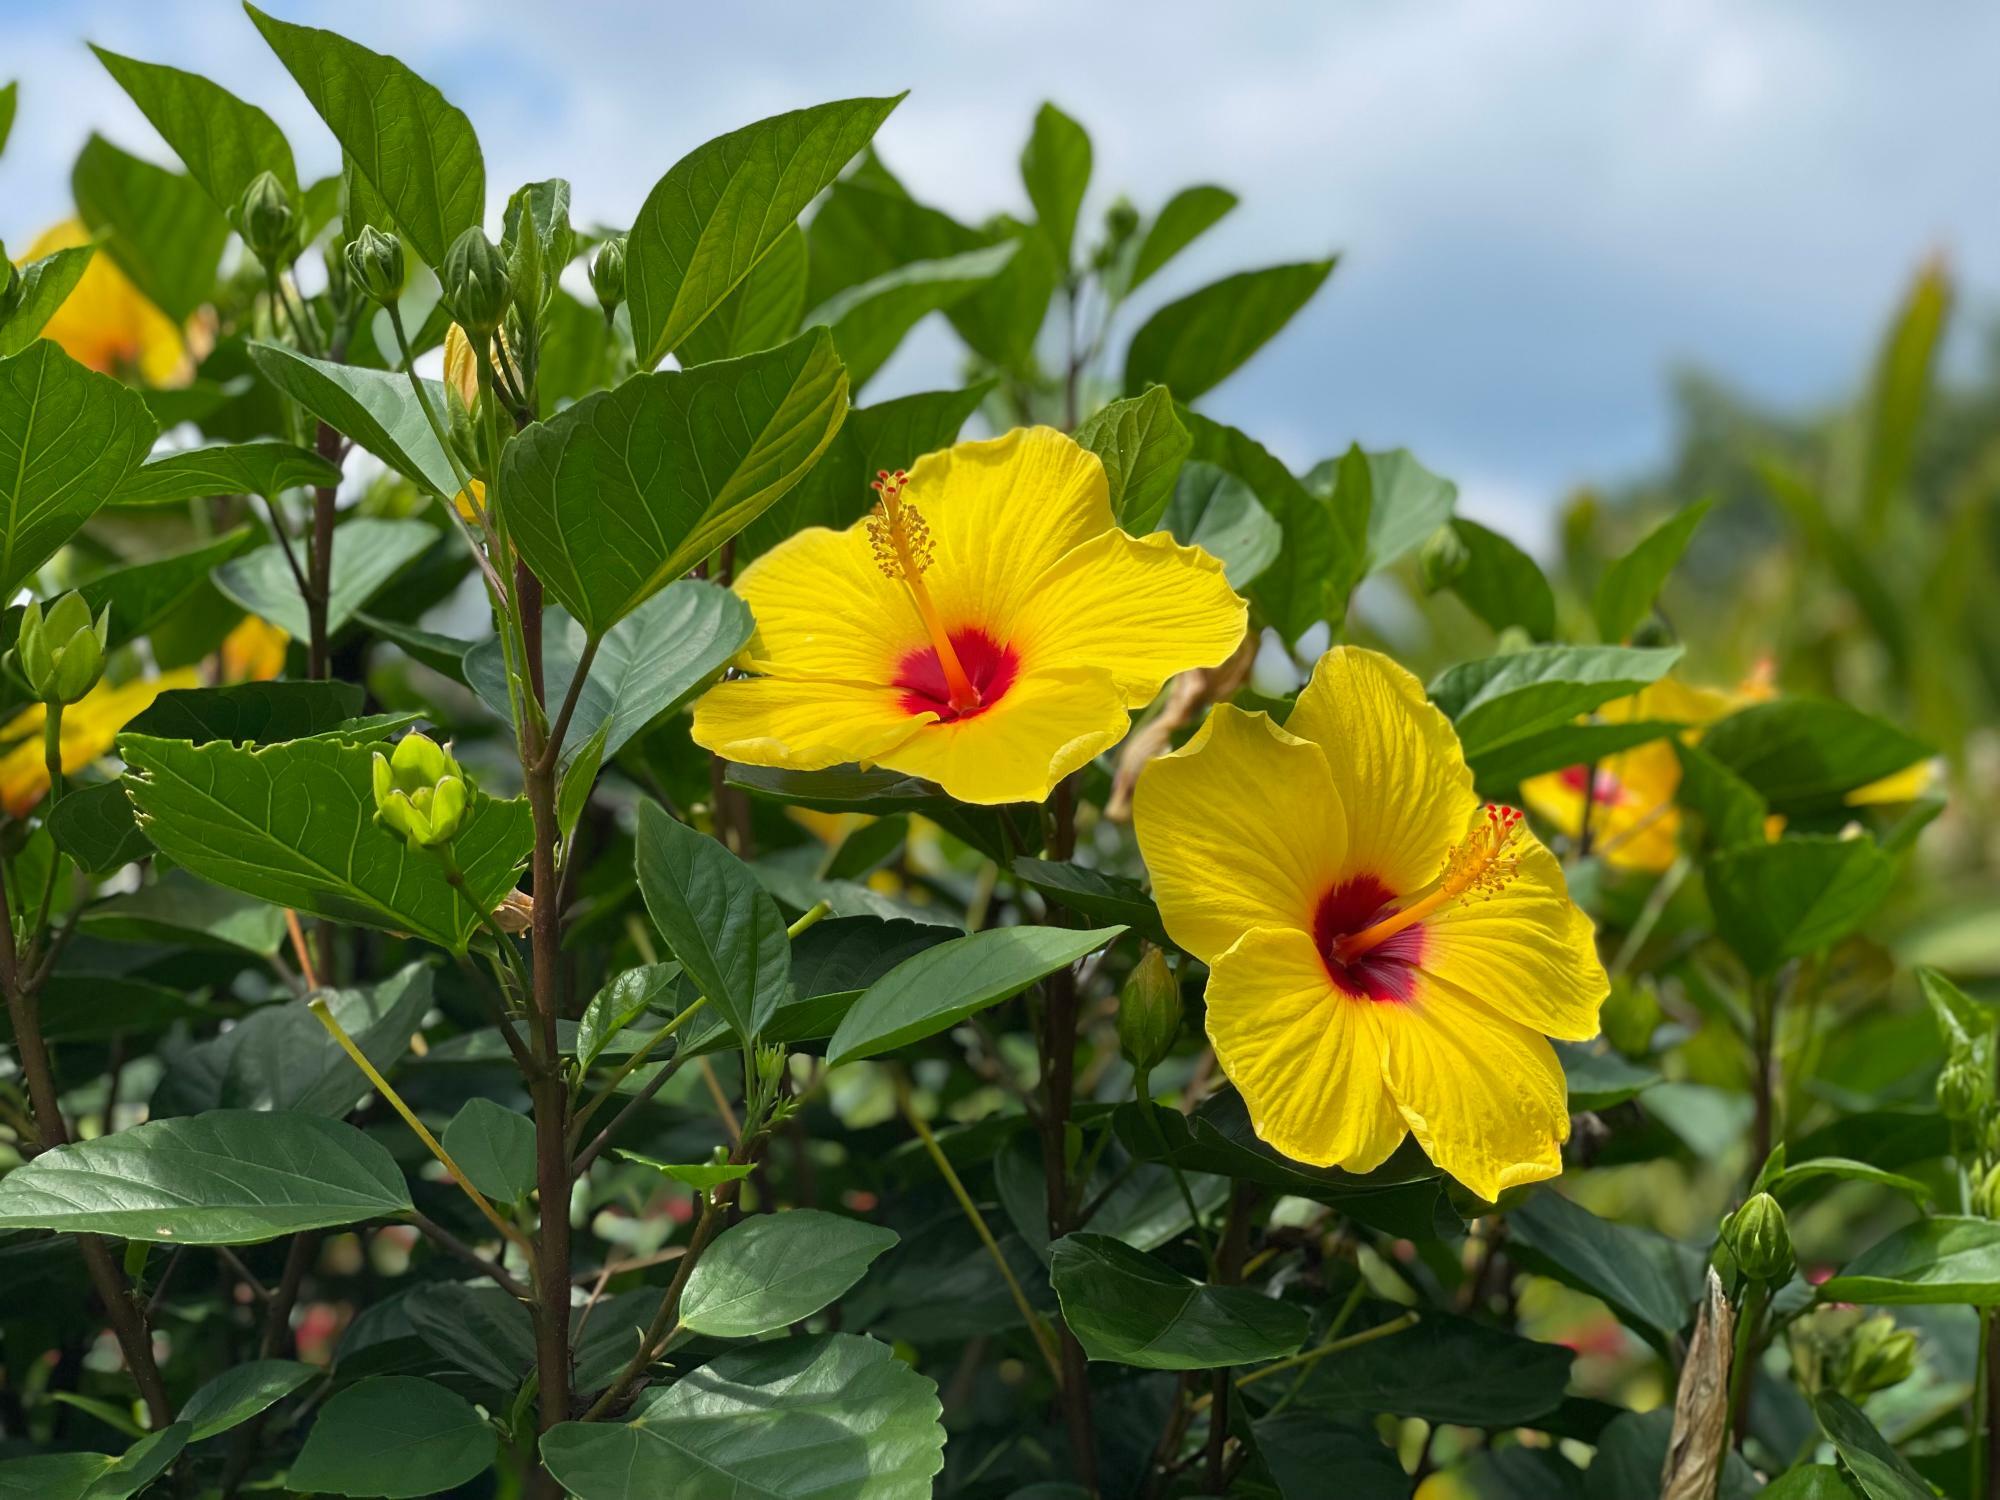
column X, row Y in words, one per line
column 607, row 274
column 477, row 289
column 264, row 218
column 420, row 792
column 375, row 264
column 1878, row 1356
column 61, row 654
column 1121, row 220
column 1652, row 632
column 1760, row 1240
column 1986, row 1197
column 1963, row 1089
column 1149, row 1011
column 1444, row 559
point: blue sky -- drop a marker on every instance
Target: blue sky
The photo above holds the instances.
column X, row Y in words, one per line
column 1541, row 207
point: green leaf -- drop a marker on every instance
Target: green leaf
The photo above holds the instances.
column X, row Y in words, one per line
column 178, row 908
column 1444, row 1369
column 496, row 1147
column 158, row 225
column 1131, row 1308
column 649, row 664
column 1093, row 893
column 868, row 320
column 1782, row 1182
column 1502, row 584
column 1499, row 701
column 867, row 1421
column 393, row 1436
column 1812, row 1482
column 1055, row 169
column 721, row 208
column 1187, row 216
column 1730, row 809
column 1143, row 445
column 143, row 595
column 771, row 1270
column 10, row 100
column 376, row 408
column 295, row 824
column 1805, row 754
column 93, row 1476
column 367, row 553
column 1301, row 1448
column 1632, row 1452
column 94, row 826
column 227, row 469
column 1881, row 1471
column 766, row 308
column 223, row 142
column 701, row 1176
column 1942, row 1259
column 1964, row 1024
column 1648, row 1280
column 1900, row 393
column 1566, row 745
column 416, row 150
column 281, row 1058
column 1797, row 896
column 618, row 1004
column 615, row 497
column 68, row 438
column 239, row 1393
column 941, row 986
column 1193, row 345
column 1630, row 585
column 1406, row 503
column 715, row 918
column 1598, row 1077
column 231, row 1177
column 480, row 1330
column 1214, row 510
column 45, row 286
column 244, row 712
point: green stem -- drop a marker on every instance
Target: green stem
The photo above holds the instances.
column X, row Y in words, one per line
column 1319, row 1352
column 1743, row 1359
column 1143, row 1087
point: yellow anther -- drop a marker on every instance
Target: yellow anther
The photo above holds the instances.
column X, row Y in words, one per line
column 902, row 544
column 1479, row 866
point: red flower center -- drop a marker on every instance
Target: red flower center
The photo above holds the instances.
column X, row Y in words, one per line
column 991, row 667
column 1606, row 791
column 1387, row 971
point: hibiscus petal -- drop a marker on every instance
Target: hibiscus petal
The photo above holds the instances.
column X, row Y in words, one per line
column 1396, row 764
column 1304, row 1057
column 1045, row 726
column 1240, row 829
column 802, row 724
column 1145, row 607
column 825, row 609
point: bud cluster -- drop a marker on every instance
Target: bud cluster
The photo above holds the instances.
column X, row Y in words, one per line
column 61, row 654
column 420, row 792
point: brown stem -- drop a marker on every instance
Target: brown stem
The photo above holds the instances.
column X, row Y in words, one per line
column 451, row 1244
column 319, row 564
column 275, row 1343
column 550, row 1093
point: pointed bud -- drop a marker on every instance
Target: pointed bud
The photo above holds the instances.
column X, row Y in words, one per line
column 264, row 218
column 1149, row 1011
column 61, row 653
column 1444, row 559
column 420, row 792
column 476, row 285
column 1760, row 1240
column 1880, row 1355
column 375, row 264
column 1986, row 1197
column 607, row 274
column 1963, row 1089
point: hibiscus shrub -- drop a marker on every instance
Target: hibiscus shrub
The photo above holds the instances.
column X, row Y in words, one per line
column 619, row 923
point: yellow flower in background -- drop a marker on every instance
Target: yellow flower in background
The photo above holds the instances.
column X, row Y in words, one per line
column 1386, row 957
column 88, row 728
column 107, row 323
column 1905, row 785
column 987, row 627
column 253, row 652
column 1634, row 824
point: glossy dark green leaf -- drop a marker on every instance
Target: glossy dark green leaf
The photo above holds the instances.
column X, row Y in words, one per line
column 1942, row 1259
column 1214, row 510
column 1093, row 893
column 45, row 285
column 765, row 309
column 393, row 1436
column 158, row 225
column 1797, row 896
column 1626, row 592
column 1805, row 754
column 621, row 1001
column 281, row 1058
column 831, row 1418
column 1730, row 809
column 1882, row 1472
column 1598, row 1077
column 1783, row 1179
column 176, row 907
column 1131, row 1308
column 775, row 1269
column 478, row 1329
column 144, row 595
column 1498, row 701
column 376, row 408
column 68, row 438
column 721, row 208
column 94, row 826
column 1302, row 1448
column 225, row 469
column 1193, row 345
column 231, row 1177
column 415, row 149
column 1812, row 1482
column 868, row 320
column 1444, row 1369
column 1142, row 444
column 496, row 1147
column 93, row 1476
column 239, row 1393
column 294, row 823
column 367, row 553
column 1563, row 746
column 1186, row 216
column 223, row 142
column 941, row 986
column 244, row 712
column 1648, row 1280
column 1055, row 169
column 1502, row 584
column 715, row 919
column 1632, row 1451
column 615, row 497
column 1406, row 502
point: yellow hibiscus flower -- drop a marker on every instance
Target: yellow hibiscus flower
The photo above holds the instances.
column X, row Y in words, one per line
column 107, row 323
column 253, row 651
column 987, row 627
column 1385, row 956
